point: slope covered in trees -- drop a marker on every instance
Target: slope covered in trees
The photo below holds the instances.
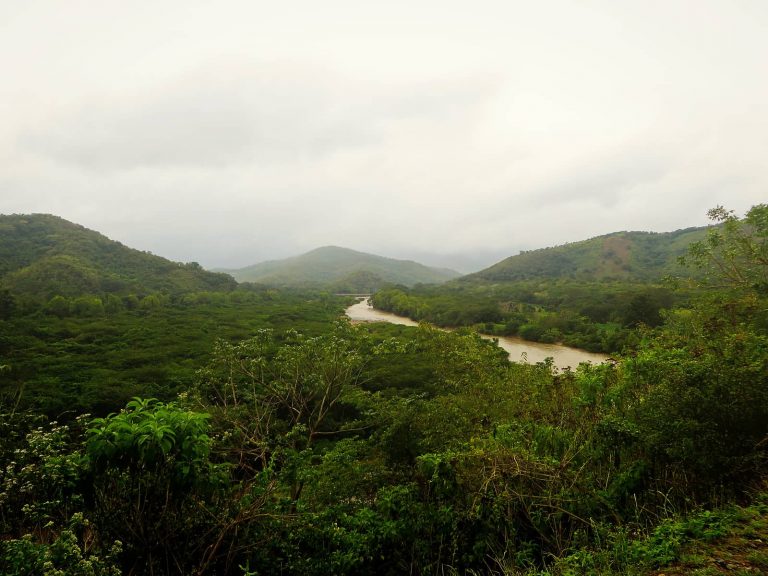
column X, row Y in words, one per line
column 623, row 256
column 82, row 354
column 588, row 294
column 342, row 268
column 42, row 256
column 303, row 445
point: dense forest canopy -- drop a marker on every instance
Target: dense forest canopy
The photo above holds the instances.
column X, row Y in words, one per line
column 169, row 427
column 621, row 256
column 42, row 256
column 343, row 270
column 590, row 294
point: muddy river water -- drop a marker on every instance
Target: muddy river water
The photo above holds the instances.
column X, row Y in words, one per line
column 519, row 350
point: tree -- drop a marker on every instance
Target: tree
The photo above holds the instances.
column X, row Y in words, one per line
column 87, row 306
column 701, row 382
column 645, row 308
column 7, row 304
column 150, row 302
column 279, row 397
column 113, row 304
column 735, row 253
column 58, row 306
column 701, row 404
column 153, row 482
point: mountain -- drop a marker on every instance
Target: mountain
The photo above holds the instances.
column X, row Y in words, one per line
column 43, row 255
column 342, row 269
column 629, row 256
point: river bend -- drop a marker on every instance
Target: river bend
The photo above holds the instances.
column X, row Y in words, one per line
column 519, row 350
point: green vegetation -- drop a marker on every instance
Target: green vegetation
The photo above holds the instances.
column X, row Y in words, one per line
column 727, row 540
column 43, row 256
column 621, row 256
column 302, row 444
column 94, row 354
column 343, row 269
column 589, row 294
column 595, row 316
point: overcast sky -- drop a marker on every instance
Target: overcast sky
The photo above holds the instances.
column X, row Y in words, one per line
column 232, row 132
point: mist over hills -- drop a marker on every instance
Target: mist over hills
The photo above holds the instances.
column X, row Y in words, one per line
column 43, row 255
column 343, row 269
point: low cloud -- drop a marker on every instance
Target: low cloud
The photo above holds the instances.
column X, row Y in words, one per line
column 229, row 137
column 227, row 114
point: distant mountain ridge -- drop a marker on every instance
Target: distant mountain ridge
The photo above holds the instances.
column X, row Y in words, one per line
column 42, row 255
column 342, row 269
column 628, row 256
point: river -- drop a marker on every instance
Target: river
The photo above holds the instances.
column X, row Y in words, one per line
column 519, row 350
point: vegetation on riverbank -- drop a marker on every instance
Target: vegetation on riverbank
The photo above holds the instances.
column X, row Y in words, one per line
column 300, row 445
column 599, row 317
column 590, row 294
column 93, row 353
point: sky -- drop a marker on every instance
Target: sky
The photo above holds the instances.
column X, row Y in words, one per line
column 452, row 132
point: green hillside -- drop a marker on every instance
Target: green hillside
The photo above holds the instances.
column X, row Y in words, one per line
column 342, row 267
column 589, row 294
column 625, row 256
column 43, row 255
column 252, row 432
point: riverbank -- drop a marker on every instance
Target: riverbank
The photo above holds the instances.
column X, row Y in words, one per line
column 519, row 350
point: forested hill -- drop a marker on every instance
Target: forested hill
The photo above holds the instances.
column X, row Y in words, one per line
column 626, row 256
column 343, row 270
column 43, row 255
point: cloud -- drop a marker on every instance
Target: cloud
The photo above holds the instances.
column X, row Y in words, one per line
column 230, row 136
column 210, row 117
column 225, row 113
column 606, row 179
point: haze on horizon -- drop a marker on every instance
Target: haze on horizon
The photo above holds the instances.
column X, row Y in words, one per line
column 234, row 132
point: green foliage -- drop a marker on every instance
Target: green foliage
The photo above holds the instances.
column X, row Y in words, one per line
column 304, row 446
column 150, row 302
column 149, row 436
column 702, row 384
column 152, row 482
column 42, row 256
column 113, row 304
column 40, row 474
column 41, row 481
column 55, row 274
column 596, row 316
column 342, row 270
column 645, row 309
column 626, row 256
column 735, row 253
column 664, row 543
column 87, row 306
column 678, row 544
column 279, row 400
column 58, row 306
column 7, row 304
column 66, row 364
column 359, row 282
column 703, row 399
column 68, row 554
column 587, row 294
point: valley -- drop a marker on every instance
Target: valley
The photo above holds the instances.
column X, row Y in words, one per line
column 519, row 350
column 383, row 288
column 158, row 418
